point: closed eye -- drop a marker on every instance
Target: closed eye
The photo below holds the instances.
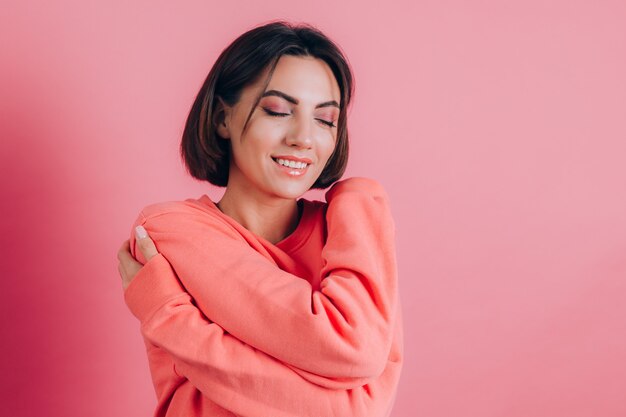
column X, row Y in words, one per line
column 273, row 113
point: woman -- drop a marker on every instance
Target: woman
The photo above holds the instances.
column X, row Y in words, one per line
column 266, row 303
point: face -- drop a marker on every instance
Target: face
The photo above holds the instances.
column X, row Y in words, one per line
column 295, row 119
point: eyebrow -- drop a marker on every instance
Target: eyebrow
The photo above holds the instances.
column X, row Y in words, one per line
column 295, row 101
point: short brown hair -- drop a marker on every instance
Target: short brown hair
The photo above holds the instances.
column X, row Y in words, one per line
column 205, row 154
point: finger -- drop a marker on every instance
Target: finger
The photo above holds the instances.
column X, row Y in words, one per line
column 123, row 253
column 122, row 272
column 125, row 278
column 145, row 243
column 128, row 266
column 127, row 261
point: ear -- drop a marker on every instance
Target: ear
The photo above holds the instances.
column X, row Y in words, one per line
column 221, row 118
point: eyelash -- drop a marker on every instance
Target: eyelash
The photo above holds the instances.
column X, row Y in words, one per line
column 272, row 113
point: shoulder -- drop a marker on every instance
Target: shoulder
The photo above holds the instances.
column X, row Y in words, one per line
column 180, row 224
column 185, row 216
column 363, row 185
column 169, row 208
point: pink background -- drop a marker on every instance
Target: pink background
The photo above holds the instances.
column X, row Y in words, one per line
column 498, row 129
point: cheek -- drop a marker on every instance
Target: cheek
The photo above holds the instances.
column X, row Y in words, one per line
column 331, row 144
column 326, row 149
column 269, row 124
column 266, row 132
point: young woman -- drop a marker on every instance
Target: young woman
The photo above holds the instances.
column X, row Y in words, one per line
column 266, row 303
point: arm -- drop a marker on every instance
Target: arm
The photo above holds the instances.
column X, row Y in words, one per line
column 170, row 321
column 342, row 331
column 231, row 373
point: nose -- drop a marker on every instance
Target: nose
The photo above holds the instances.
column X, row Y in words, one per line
column 301, row 132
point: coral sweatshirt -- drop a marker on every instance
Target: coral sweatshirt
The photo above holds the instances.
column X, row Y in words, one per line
column 237, row 326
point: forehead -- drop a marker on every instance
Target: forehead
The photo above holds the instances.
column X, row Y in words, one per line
column 308, row 79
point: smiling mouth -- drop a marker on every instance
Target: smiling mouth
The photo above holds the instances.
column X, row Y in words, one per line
column 291, row 164
column 296, row 171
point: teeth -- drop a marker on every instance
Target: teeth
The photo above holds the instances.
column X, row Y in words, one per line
column 291, row 164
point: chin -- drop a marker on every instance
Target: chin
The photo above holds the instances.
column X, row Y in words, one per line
column 292, row 195
column 292, row 192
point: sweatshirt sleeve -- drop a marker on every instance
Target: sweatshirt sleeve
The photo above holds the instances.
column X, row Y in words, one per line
column 234, row 375
column 342, row 331
column 200, row 348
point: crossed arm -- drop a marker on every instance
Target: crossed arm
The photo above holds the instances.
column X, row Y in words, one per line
column 275, row 334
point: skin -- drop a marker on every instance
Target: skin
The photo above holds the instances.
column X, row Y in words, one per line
column 259, row 195
column 129, row 266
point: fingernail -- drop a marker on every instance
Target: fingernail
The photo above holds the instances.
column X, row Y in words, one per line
column 140, row 232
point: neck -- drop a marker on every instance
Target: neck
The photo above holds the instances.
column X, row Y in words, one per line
column 270, row 218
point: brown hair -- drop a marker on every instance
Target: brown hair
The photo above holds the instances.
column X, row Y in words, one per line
column 205, row 154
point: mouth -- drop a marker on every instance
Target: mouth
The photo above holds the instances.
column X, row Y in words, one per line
column 290, row 167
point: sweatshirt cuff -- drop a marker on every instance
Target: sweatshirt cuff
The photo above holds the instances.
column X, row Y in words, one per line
column 154, row 285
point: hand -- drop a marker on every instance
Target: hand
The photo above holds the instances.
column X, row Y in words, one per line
column 129, row 266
